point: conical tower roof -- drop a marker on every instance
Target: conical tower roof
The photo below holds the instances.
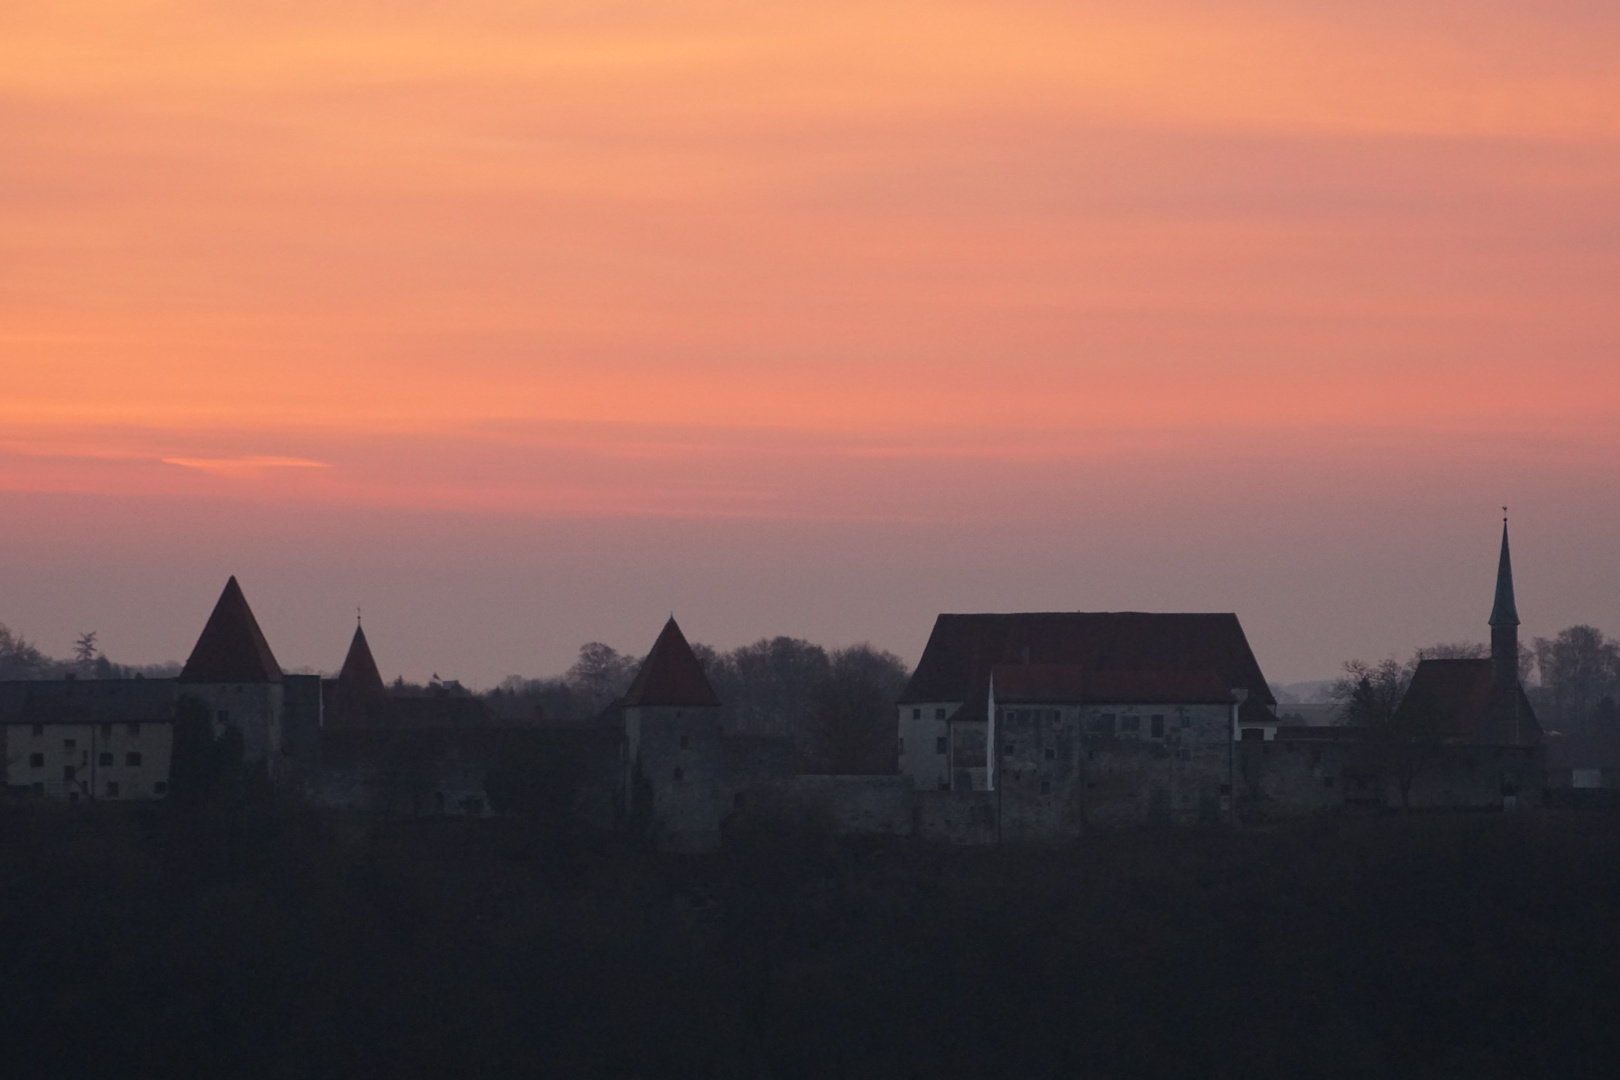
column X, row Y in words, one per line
column 1505, row 612
column 232, row 648
column 671, row 674
column 360, row 677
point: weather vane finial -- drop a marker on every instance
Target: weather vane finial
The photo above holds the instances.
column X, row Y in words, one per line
column 1504, row 515
column 357, row 614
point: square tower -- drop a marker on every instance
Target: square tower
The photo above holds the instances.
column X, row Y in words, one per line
column 672, row 744
column 234, row 673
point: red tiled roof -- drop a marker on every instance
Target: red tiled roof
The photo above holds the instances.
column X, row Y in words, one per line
column 232, row 648
column 1071, row 683
column 87, row 701
column 671, row 674
column 956, row 664
column 360, row 677
column 1459, row 699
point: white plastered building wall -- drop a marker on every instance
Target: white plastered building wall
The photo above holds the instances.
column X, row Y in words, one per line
column 925, row 742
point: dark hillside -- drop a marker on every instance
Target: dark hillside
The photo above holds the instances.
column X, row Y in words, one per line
column 283, row 944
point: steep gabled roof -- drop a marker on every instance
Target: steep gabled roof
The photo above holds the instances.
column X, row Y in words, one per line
column 1070, row 684
column 360, row 677
column 1461, row 699
column 671, row 674
column 232, row 648
column 956, row 664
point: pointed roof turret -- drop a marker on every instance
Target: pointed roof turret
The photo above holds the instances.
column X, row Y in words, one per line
column 671, row 674
column 360, row 677
column 1505, row 612
column 232, row 648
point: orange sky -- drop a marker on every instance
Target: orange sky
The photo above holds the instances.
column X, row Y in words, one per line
column 906, row 265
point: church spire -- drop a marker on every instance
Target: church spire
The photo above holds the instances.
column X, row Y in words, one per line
column 1505, row 620
column 1505, row 612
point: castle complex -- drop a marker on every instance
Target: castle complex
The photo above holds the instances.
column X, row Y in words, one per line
column 1014, row 727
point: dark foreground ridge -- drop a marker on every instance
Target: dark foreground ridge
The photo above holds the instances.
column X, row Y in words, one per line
column 268, row 942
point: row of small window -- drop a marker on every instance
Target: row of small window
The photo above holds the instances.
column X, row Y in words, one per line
column 1110, row 724
column 940, row 745
column 112, row 789
column 1104, row 724
column 939, row 714
column 134, row 730
column 1008, row 749
column 133, row 758
column 1025, row 715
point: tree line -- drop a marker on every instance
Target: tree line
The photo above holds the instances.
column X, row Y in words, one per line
column 1572, row 680
column 837, row 705
column 22, row 659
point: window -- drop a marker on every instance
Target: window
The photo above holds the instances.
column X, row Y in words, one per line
column 1158, row 727
column 112, row 789
column 1101, row 725
column 1007, row 749
column 36, row 761
column 39, row 729
column 134, row 730
column 1051, row 754
column 1130, row 723
column 39, row 788
column 685, row 742
column 1186, row 721
column 132, row 758
column 939, row 745
column 223, row 716
column 680, row 774
column 902, row 744
column 104, row 758
column 67, row 772
column 939, row 714
column 160, row 788
column 916, row 714
column 70, row 744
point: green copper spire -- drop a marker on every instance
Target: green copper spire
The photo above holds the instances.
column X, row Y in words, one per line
column 1506, row 612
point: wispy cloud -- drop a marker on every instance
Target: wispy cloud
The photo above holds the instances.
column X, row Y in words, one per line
column 239, row 466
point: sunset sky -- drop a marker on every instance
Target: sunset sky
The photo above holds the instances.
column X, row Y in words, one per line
column 526, row 324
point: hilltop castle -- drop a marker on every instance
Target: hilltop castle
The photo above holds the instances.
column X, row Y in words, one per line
column 1013, row 727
